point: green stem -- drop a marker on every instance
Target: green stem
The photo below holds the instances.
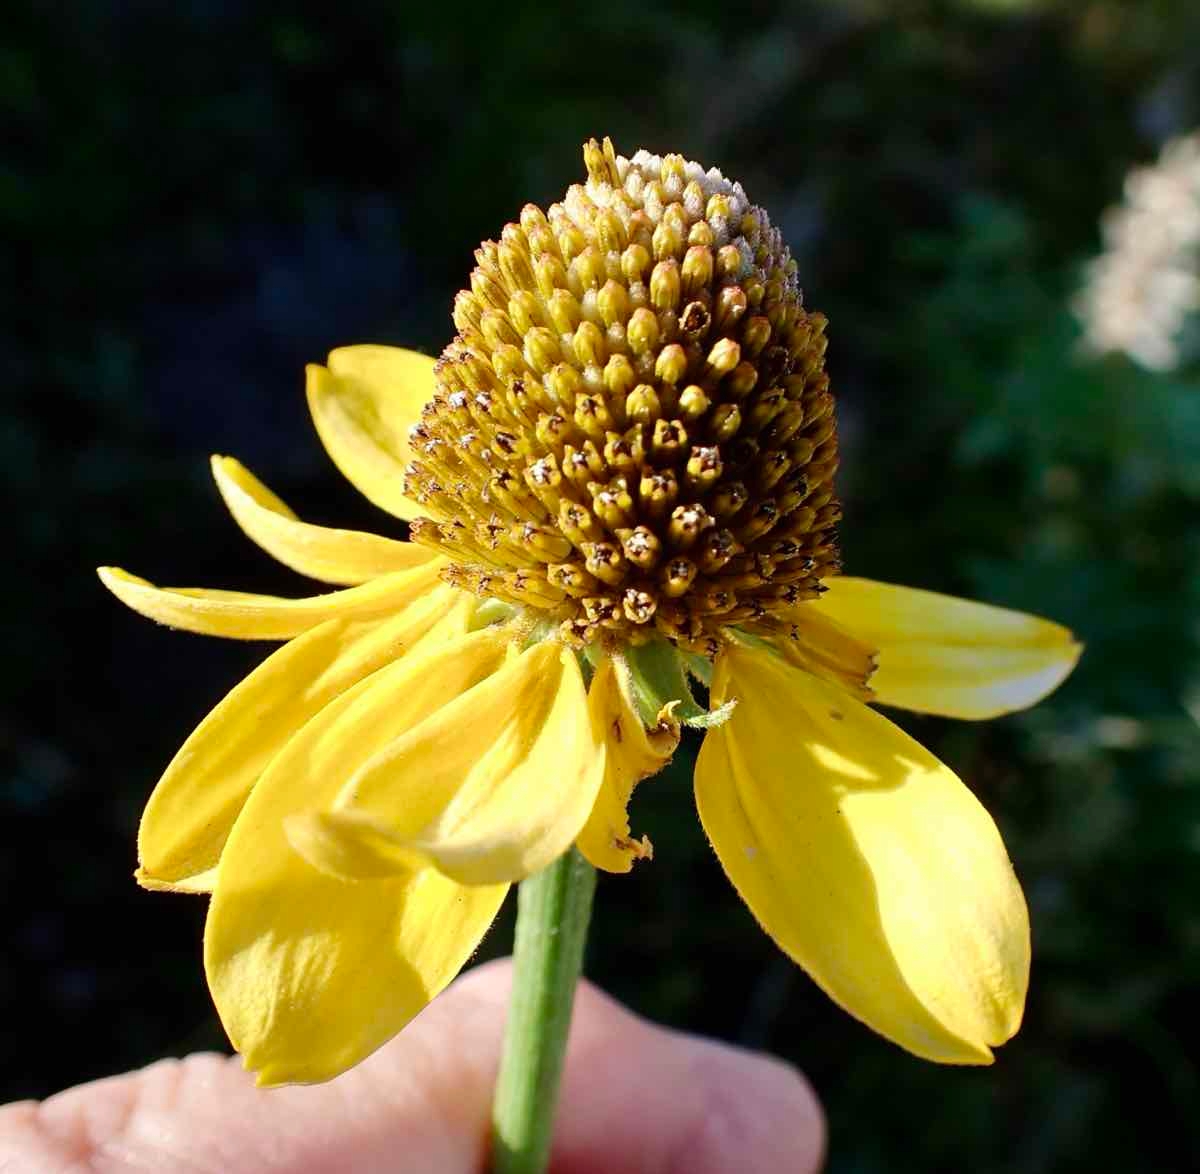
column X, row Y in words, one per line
column 553, row 908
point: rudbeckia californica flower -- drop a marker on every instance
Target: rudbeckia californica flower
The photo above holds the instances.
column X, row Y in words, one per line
column 618, row 479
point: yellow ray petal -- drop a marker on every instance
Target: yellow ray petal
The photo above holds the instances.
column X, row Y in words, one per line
column 240, row 615
column 190, row 812
column 866, row 860
column 492, row 787
column 939, row 654
column 332, row 969
column 332, row 556
column 632, row 753
column 310, row 973
column 824, row 648
column 351, row 845
column 363, row 406
column 198, row 882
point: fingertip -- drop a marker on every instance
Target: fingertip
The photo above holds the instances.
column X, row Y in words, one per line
column 637, row 1097
column 754, row 1114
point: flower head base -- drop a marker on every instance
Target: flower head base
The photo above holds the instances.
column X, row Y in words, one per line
column 633, row 432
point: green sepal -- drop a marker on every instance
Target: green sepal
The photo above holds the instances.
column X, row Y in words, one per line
column 699, row 666
column 709, row 719
column 659, row 672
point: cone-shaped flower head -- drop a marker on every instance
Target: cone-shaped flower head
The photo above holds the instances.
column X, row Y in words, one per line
column 632, row 433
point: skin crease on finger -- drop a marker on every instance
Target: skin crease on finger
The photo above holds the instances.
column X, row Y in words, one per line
column 636, row 1099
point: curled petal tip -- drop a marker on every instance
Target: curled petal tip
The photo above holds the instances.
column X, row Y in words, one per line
column 112, row 576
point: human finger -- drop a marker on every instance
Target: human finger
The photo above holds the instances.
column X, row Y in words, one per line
column 635, row 1098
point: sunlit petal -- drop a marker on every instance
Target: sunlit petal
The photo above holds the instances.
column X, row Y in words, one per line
column 823, row 647
column 497, row 784
column 866, row 860
column 352, row 845
column 939, row 654
column 190, row 812
column 631, row 754
column 330, row 969
column 240, row 615
column 198, row 882
column 332, row 556
column 363, row 405
column 309, row 972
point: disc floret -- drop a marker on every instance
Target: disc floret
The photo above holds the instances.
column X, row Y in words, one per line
column 633, row 433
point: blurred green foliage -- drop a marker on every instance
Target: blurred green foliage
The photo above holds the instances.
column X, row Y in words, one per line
column 198, row 199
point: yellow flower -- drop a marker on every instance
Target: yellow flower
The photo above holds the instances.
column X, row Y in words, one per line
column 619, row 476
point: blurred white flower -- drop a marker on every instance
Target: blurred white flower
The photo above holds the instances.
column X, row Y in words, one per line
column 1140, row 290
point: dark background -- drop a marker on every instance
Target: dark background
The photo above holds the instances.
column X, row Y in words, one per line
column 196, row 199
